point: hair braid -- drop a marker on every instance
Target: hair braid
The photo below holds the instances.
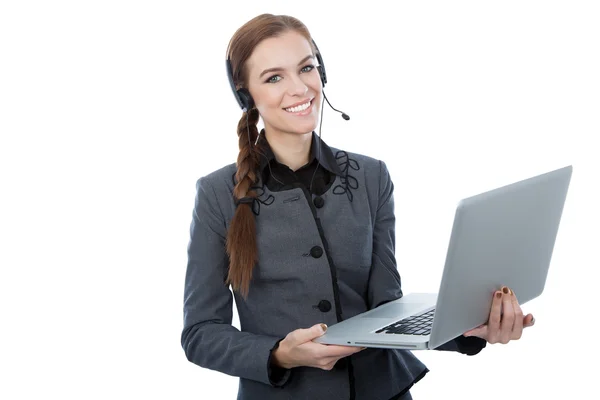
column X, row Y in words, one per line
column 241, row 237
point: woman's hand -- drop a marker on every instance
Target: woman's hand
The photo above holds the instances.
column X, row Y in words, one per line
column 506, row 321
column 298, row 350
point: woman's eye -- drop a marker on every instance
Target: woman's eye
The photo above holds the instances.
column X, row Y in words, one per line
column 277, row 78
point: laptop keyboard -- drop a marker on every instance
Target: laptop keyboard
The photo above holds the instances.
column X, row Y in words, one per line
column 413, row 325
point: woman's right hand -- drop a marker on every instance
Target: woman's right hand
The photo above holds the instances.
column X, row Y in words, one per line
column 298, row 350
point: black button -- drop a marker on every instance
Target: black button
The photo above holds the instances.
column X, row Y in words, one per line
column 324, row 306
column 319, row 202
column 316, row 252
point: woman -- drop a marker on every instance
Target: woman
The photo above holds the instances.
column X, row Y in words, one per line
column 303, row 233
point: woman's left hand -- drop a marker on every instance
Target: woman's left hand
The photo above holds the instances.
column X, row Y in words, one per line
column 506, row 321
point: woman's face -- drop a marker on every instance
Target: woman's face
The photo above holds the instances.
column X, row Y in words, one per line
column 284, row 82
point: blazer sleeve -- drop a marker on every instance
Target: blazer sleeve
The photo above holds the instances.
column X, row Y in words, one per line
column 466, row 345
column 208, row 337
column 384, row 279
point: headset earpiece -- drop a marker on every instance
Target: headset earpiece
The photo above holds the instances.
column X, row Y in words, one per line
column 245, row 99
column 242, row 95
column 321, row 66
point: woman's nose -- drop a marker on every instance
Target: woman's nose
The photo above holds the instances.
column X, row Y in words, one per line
column 297, row 87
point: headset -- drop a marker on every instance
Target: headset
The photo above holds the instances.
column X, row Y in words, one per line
column 243, row 96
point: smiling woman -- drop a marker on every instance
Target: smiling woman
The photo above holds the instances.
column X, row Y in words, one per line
column 303, row 234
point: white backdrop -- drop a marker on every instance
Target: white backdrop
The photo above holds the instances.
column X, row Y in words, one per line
column 111, row 110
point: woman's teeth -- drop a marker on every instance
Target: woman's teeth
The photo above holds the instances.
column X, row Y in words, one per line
column 298, row 108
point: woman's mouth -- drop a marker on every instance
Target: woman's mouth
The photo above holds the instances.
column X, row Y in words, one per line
column 302, row 109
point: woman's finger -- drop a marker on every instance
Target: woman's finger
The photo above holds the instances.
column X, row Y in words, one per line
column 528, row 321
column 518, row 324
column 332, row 350
column 495, row 318
column 508, row 316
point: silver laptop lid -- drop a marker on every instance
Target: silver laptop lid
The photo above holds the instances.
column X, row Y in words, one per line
column 501, row 237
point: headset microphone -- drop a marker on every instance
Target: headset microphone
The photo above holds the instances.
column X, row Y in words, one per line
column 344, row 115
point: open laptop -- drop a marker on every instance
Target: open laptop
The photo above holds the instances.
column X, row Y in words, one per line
column 501, row 237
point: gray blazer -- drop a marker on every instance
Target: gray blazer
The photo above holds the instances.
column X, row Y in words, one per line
column 339, row 254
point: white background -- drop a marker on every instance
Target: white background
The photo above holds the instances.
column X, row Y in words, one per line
column 110, row 111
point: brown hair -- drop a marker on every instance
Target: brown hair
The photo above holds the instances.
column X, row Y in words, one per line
column 241, row 237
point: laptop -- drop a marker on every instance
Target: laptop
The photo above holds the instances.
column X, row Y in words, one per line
column 504, row 236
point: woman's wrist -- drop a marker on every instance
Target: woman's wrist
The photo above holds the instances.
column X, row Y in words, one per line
column 279, row 358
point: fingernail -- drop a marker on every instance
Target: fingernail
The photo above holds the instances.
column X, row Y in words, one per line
column 505, row 290
column 324, row 327
column 532, row 321
column 499, row 295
